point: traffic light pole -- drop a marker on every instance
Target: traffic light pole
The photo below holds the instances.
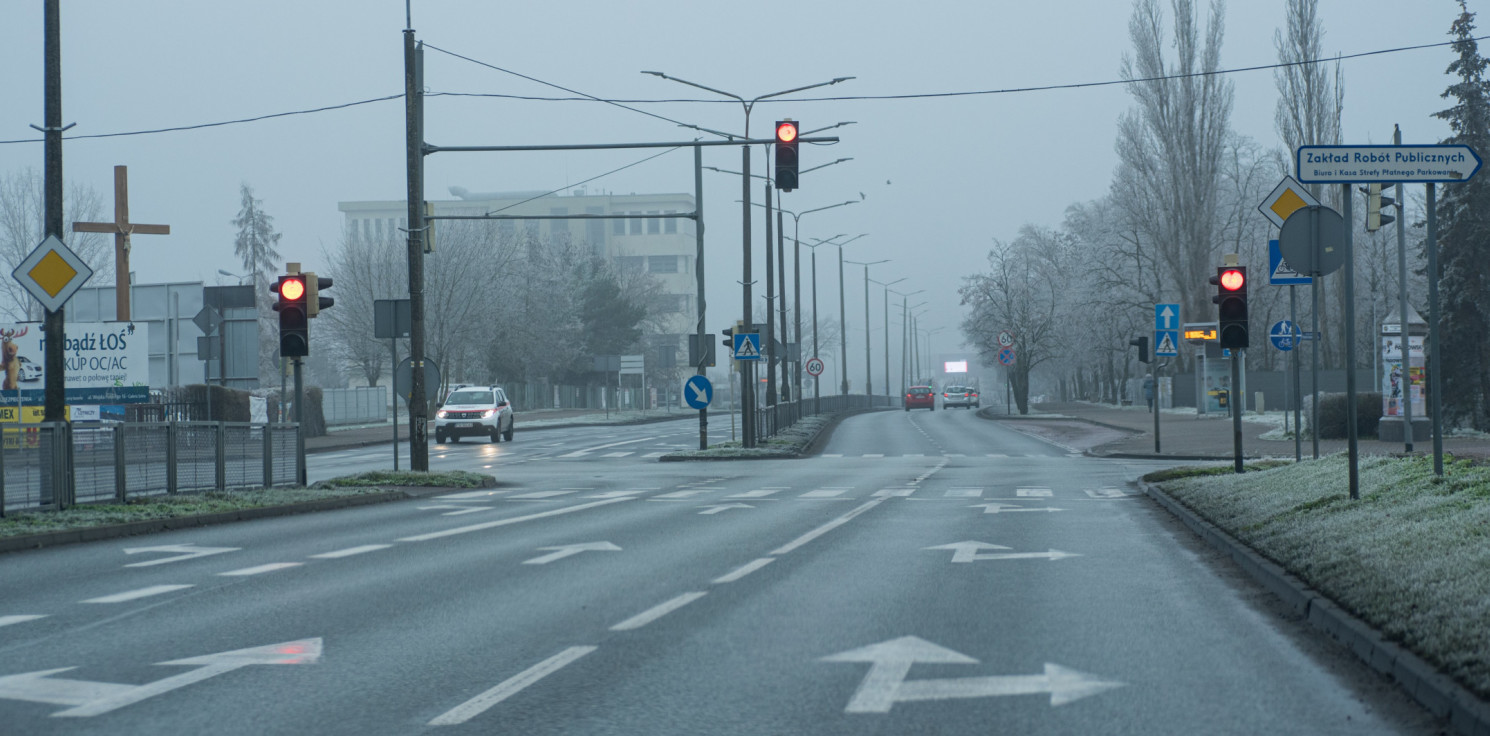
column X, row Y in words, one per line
column 1236, row 409
column 698, row 273
column 747, row 376
column 1352, row 440
column 300, row 475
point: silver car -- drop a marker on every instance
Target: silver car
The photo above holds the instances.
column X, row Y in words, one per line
column 963, row 396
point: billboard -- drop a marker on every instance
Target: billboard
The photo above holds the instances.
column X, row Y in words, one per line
column 954, row 366
column 104, row 362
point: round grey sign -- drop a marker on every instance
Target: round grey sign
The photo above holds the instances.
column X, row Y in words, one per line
column 1312, row 240
column 403, row 379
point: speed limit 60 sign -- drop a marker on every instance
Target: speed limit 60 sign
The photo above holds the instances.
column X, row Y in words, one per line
column 814, row 367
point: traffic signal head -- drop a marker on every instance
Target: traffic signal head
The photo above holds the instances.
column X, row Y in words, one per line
column 294, row 326
column 786, row 155
column 1231, row 297
column 1374, row 204
column 314, row 302
column 1142, row 343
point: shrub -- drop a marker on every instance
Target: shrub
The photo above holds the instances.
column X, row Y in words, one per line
column 1332, row 414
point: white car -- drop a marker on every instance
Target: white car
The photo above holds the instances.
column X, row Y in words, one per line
column 963, row 396
column 475, row 411
column 29, row 371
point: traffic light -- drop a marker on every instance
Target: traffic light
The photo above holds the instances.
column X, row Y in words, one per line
column 786, row 155
column 294, row 325
column 1142, row 343
column 1374, row 204
column 1231, row 295
column 314, row 302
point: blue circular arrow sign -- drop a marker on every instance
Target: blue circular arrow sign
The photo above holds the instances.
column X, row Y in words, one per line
column 1284, row 334
column 698, row 392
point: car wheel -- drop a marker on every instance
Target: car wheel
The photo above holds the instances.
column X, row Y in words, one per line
column 439, row 438
column 495, row 435
column 907, row 407
column 508, row 434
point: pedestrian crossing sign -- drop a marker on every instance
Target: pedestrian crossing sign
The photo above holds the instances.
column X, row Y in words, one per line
column 748, row 346
column 1166, row 343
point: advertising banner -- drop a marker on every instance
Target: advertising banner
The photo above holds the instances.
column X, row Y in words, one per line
column 1393, row 380
column 105, row 363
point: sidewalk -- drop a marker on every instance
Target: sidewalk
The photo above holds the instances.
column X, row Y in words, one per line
column 342, row 438
column 1187, row 436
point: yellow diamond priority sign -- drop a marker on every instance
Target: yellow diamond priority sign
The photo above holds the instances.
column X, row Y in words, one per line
column 52, row 273
column 1286, row 198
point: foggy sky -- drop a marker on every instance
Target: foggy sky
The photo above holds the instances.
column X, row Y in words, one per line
column 941, row 178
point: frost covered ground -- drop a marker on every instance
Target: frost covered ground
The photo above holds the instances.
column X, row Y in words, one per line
column 1411, row 556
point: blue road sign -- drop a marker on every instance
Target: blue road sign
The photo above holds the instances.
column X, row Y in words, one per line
column 748, row 346
column 1283, row 334
column 1006, row 356
column 1166, row 317
column 1166, row 343
column 1280, row 273
column 698, row 392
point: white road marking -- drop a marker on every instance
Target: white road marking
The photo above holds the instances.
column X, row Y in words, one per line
column 509, row 687
column 656, row 612
column 893, row 492
column 912, row 454
column 682, row 494
column 964, row 492
column 832, row 454
column 19, row 619
column 614, row 494
column 873, row 454
column 513, row 520
column 470, row 496
column 822, row 493
column 744, row 570
column 588, row 450
column 995, row 454
column 130, row 595
column 654, row 454
column 181, row 552
column 348, row 552
column 1106, row 493
column 260, row 569
column 538, row 494
column 967, row 551
column 1033, row 492
column 566, row 550
column 828, row 527
column 619, row 454
column 1003, row 508
column 708, row 510
column 752, row 494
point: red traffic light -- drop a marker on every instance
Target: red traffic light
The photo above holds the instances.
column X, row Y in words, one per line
column 292, row 289
column 1233, row 279
column 786, row 132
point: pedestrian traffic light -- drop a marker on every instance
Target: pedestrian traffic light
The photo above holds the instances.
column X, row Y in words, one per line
column 1374, row 204
column 1231, row 296
column 314, row 302
column 1142, row 343
column 294, row 327
column 786, row 155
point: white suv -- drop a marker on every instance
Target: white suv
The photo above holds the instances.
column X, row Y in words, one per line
column 482, row 411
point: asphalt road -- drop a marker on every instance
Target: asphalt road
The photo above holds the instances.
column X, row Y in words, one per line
column 928, row 573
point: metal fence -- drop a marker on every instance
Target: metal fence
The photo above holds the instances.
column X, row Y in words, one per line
column 363, row 405
column 771, row 420
column 56, row 464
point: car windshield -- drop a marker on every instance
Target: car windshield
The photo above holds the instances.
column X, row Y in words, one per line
column 470, row 397
column 921, row 390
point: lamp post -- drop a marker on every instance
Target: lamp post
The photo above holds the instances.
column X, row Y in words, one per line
column 868, row 341
column 748, row 419
column 238, row 276
column 817, row 380
column 843, row 321
column 905, row 339
column 887, row 286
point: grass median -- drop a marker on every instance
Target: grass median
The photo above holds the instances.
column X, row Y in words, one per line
column 181, row 505
column 1410, row 557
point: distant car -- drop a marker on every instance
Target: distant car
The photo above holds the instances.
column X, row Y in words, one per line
column 475, row 411
column 29, row 371
column 963, row 396
column 920, row 397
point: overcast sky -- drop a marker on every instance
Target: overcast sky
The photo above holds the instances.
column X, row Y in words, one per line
column 941, row 178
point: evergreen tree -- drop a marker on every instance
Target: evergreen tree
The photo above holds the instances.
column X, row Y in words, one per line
column 1464, row 241
column 255, row 246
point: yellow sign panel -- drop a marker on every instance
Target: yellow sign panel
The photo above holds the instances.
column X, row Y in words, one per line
column 1201, row 335
column 9, row 414
column 53, row 273
column 33, row 414
column 1285, row 199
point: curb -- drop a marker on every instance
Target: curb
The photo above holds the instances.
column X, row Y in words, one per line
column 811, row 447
column 352, row 444
column 1436, row 692
column 150, row 526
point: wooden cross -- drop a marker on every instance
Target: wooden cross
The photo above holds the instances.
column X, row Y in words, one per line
column 122, row 228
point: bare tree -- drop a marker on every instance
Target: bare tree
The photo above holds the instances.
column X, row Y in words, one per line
column 21, row 209
column 1172, row 142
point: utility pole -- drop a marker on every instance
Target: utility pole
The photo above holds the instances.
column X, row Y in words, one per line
column 414, row 130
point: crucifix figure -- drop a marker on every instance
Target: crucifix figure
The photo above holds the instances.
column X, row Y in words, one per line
column 122, row 228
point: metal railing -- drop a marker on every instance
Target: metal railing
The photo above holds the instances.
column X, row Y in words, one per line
column 54, row 465
column 771, row 420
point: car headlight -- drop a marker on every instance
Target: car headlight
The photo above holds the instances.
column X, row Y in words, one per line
column 440, row 414
column 488, row 413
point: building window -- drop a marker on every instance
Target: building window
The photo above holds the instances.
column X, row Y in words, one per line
column 595, row 229
column 636, row 223
column 654, row 225
column 662, row 264
column 670, row 225
column 618, row 227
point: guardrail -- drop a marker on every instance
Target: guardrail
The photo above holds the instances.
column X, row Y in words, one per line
column 54, row 465
column 771, row 420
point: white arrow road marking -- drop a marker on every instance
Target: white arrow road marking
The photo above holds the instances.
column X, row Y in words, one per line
column 723, row 507
column 96, row 698
column 588, row 450
column 1033, row 492
column 967, row 551
column 509, row 687
column 1001, row 508
column 19, row 619
column 567, row 550
column 513, row 520
column 130, row 595
column 182, row 552
column 890, row 662
column 260, row 569
column 1106, row 493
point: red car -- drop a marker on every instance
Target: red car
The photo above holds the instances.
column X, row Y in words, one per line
column 920, row 397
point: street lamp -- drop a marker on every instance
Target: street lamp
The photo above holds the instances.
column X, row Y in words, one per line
column 887, row 329
column 843, row 320
column 817, row 380
column 749, row 418
column 905, row 322
column 868, row 359
column 238, row 276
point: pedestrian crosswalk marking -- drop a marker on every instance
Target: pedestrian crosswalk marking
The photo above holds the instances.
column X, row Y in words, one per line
column 823, row 493
column 892, row 492
column 1033, row 492
column 964, row 492
column 540, row 494
column 618, row 454
column 753, row 494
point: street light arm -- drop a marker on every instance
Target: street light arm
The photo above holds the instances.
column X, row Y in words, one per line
column 700, row 86
column 830, row 163
column 831, row 206
column 789, row 91
column 830, row 127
